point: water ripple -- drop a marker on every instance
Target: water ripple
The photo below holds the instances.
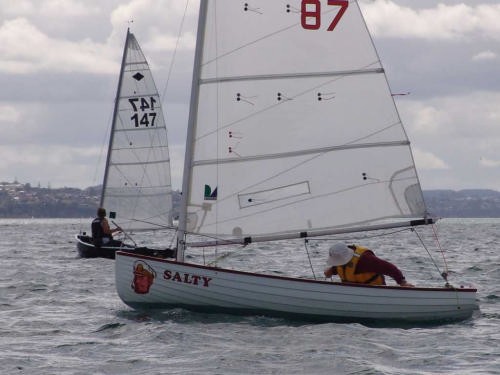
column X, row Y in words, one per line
column 61, row 315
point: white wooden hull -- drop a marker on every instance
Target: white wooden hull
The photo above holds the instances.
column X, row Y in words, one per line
column 146, row 282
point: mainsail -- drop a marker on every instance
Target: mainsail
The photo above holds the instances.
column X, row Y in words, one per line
column 294, row 129
column 137, row 189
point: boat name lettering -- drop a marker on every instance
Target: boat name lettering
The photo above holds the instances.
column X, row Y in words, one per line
column 187, row 278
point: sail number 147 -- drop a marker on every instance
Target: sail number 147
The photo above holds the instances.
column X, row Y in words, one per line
column 310, row 13
column 144, row 114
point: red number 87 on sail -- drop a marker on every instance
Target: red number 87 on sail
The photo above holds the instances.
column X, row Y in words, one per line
column 310, row 13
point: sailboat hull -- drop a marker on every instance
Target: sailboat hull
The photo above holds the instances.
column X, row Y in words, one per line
column 172, row 284
column 86, row 249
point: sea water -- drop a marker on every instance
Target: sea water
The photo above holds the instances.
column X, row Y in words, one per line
column 60, row 314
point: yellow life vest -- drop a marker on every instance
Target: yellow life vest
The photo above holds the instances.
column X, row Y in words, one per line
column 347, row 272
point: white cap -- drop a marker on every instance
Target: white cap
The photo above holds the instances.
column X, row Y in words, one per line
column 339, row 254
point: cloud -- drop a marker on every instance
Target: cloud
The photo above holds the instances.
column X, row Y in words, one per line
column 59, row 166
column 8, row 115
column 442, row 22
column 44, row 8
column 43, row 35
column 453, row 136
column 59, row 61
column 488, row 163
column 485, row 55
column 472, row 116
column 428, row 161
column 25, row 49
column 158, row 22
column 67, row 8
column 16, row 8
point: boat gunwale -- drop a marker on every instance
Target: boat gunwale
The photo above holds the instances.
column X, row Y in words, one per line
column 287, row 278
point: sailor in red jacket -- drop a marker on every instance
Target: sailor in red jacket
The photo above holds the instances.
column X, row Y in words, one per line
column 356, row 264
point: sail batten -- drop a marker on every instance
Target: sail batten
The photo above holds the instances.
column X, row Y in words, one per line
column 301, row 152
column 161, row 161
column 296, row 75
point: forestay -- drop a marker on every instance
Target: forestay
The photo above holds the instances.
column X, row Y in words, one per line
column 294, row 127
column 137, row 189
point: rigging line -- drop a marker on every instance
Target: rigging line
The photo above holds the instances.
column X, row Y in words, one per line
column 181, row 26
column 173, row 238
column 221, row 257
column 103, row 145
column 160, row 226
column 436, row 238
column 428, row 252
column 125, row 233
column 309, row 257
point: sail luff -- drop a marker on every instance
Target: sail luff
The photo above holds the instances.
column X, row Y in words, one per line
column 115, row 116
column 193, row 112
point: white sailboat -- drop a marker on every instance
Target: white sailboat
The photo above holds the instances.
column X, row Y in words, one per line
column 137, row 192
column 293, row 133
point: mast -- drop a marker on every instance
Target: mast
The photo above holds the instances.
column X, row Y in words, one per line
column 115, row 114
column 193, row 114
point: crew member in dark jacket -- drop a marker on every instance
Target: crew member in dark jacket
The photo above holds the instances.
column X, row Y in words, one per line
column 356, row 264
column 102, row 234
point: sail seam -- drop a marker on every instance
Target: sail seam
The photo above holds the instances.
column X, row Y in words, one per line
column 139, row 148
column 141, row 129
column 141, row 162
column 140, row 95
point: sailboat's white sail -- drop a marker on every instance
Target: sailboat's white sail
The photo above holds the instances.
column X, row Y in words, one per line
column 295, row 128
column 137, row 189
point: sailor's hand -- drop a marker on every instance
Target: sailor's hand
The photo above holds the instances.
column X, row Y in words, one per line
column 328, row 272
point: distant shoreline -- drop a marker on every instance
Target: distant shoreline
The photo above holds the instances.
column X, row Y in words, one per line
column 22, row 201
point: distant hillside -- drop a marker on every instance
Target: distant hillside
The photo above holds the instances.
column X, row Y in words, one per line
column 22, row 200
column 463, row 203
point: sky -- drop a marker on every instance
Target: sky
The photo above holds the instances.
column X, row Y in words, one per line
column 60, row 59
